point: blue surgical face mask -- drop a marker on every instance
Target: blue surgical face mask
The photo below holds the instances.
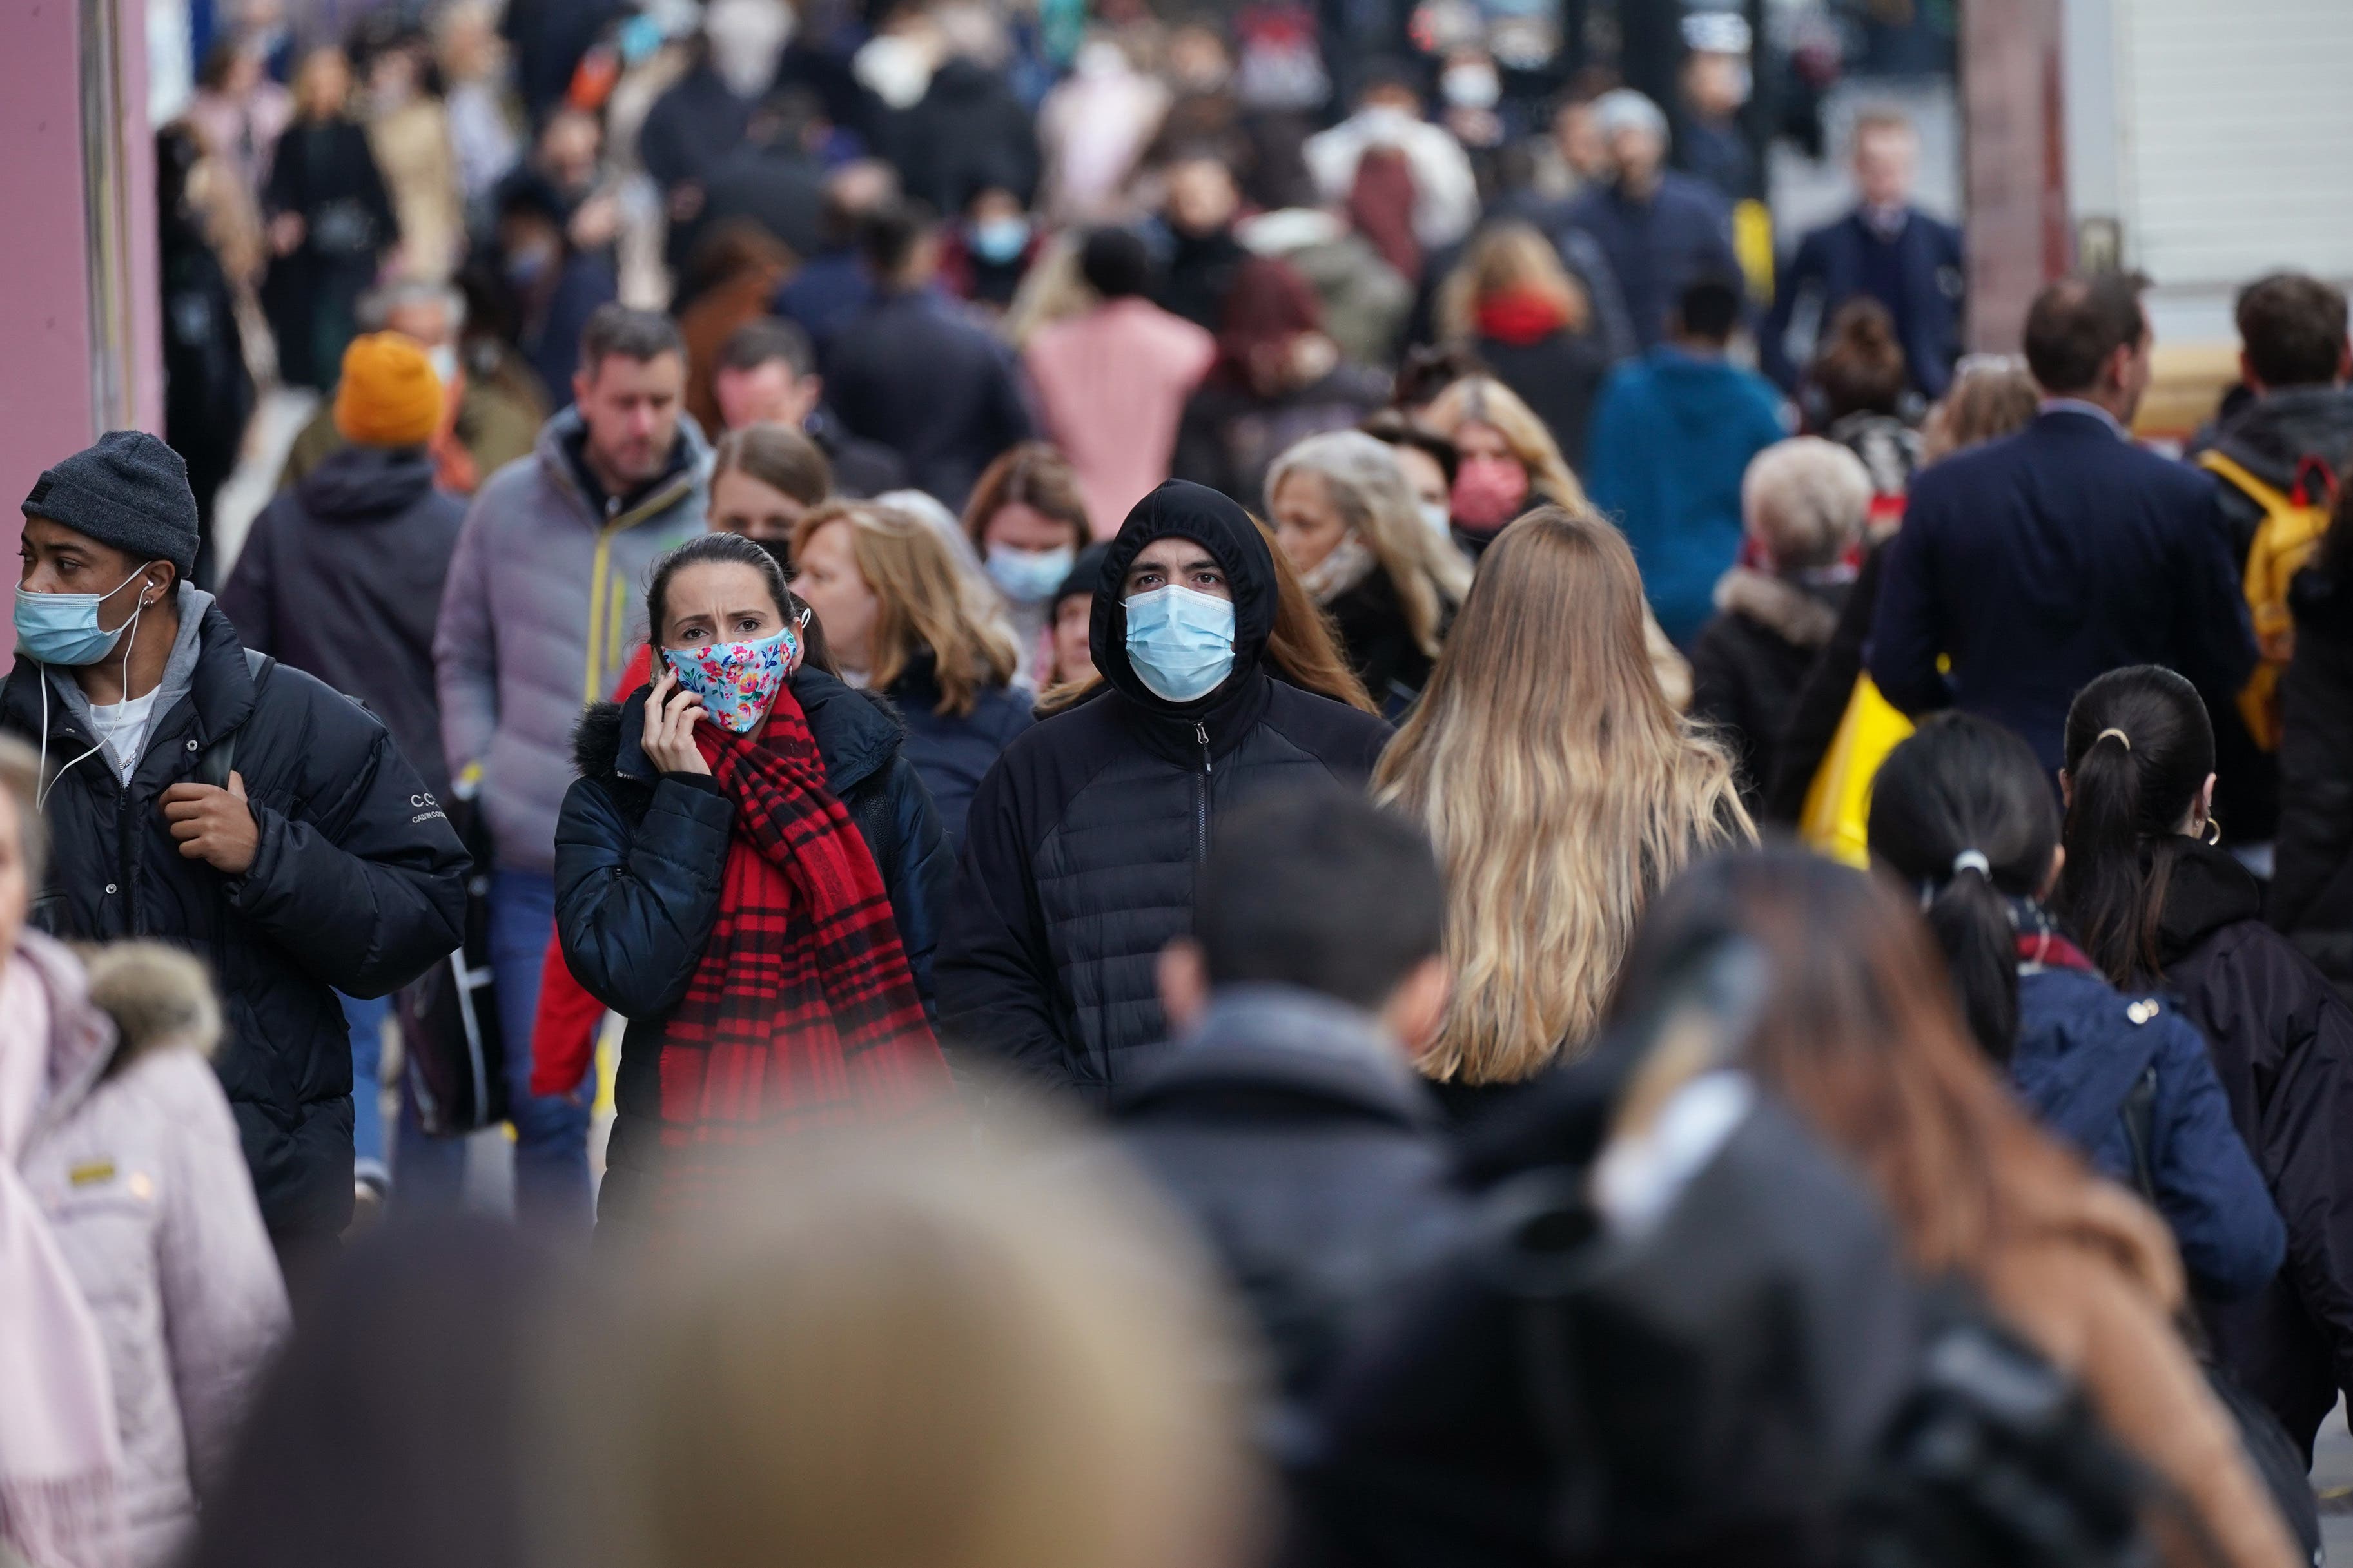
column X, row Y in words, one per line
column 999, row 241
column 1029, row 576
column 62, row 628
column 1181, row 642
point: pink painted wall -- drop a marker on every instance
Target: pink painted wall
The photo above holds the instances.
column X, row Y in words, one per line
column 45, row 324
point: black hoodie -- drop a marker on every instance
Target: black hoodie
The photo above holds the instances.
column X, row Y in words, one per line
column 1082, row 843
column 2281, row 1040
column 342, row 577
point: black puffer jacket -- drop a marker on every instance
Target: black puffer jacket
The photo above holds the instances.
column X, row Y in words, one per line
column 1379, row 644
column 1083, row 842
column 358, row 886
column 341, row 575
column 2312, row 885
column 639, row 857
column 1313, row 1161
column 2281, row 1040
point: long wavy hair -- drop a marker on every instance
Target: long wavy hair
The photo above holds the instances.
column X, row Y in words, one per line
column 1483, row 400
column 922, row 603
column 1365, row 487
column 1561, row 789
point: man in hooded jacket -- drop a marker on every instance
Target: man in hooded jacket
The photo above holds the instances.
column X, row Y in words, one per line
column 1085, row 840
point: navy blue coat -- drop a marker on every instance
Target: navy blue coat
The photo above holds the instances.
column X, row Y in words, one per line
column 910, row 372
column 638, row 859
column 2046, row 559
column 1918, row 275
column 1654, row 248
column 954, row 751
column 2078, row 1055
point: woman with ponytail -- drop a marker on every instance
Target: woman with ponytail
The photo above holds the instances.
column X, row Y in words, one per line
column 2158, row 904
column 1962, row 812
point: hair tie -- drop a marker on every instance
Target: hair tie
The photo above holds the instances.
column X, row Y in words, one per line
column 2122, row 739
column 1972, row 860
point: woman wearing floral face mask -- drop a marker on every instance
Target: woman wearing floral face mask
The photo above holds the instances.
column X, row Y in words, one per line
column 721, row 873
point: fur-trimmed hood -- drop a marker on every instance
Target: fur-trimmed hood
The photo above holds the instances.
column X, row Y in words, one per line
column 1799, row 613
column 159, row 998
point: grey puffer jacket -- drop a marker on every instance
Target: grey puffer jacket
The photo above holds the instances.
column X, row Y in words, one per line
column 545, row 602
column 135, row 1162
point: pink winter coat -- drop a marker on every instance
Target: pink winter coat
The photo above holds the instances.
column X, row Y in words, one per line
column 135, row 1162
column 1110, row 387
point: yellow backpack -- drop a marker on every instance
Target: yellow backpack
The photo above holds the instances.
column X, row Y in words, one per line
column 2294, row 521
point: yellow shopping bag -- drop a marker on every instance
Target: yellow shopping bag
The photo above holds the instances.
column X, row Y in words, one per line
column 1838, row 803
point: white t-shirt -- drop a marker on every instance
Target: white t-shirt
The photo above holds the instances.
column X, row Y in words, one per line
column 122, row 729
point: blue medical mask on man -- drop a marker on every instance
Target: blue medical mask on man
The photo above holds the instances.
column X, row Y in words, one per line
column 63, row 630
column 1029, row 576
column 1180, row 642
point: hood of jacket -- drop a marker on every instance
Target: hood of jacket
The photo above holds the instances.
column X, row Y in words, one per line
column 856, row 734
column 366, row 484
column 2278, row 430
column 81, row 1039
column 1802, row 614
column 2206, row 890
column 563, row 440
column 1281, row 1041
column 1179, row 509
column 1700, row 394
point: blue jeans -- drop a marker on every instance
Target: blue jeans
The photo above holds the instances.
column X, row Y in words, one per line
column 366, row 1022
column 552, row 1187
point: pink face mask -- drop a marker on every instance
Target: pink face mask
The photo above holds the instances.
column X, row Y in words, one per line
column 1488, row 493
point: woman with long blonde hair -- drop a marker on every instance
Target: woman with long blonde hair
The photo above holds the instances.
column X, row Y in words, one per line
column 892, row 601
column 1507, row 460
column 1513, row 304
column 1562, row 790
column 1349, row 523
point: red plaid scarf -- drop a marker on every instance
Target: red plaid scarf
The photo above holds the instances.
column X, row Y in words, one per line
column 802, row 1013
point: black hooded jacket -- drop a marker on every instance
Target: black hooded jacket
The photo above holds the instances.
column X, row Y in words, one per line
column 1083, row 842
column 357, row 885
column 639, row 855
column 342, row 576
column 2281, row 1040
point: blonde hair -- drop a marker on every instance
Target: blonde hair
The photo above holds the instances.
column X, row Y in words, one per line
column 1364, row 486
column 1561, row 790
column 1805, row 500
column 922, row 603
column 1483, row 400
column 926, row 1354
column 1505, row 258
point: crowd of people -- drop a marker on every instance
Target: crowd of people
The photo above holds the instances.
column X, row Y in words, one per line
column 1289, row 874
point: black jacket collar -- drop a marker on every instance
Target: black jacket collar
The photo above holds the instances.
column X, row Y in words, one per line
column 221, row 690
column 2208, row 889
column 1282, row 1042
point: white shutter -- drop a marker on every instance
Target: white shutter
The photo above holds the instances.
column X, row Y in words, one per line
column 2237, row 124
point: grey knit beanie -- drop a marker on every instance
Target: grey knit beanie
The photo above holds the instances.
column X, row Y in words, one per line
column 129, row 491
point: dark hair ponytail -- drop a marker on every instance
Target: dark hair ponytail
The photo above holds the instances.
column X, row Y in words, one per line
column 2139, row 747
column 1963, row 811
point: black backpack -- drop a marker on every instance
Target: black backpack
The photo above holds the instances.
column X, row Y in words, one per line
column 449, row 1029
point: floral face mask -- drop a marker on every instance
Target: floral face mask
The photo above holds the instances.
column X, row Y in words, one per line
column 737, row 681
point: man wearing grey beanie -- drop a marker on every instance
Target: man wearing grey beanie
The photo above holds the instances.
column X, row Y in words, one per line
column 206, row 796
column 1659, row 228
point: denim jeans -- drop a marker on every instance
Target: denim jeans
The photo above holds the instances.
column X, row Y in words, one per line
column 552, row 1186
column 366, row 1022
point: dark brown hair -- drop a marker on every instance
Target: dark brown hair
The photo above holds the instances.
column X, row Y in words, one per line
column 2076, row 323
column 1035, row 475
column 779, row 456
column 2293, row 328
column 1860, row 366
column 2139, row 746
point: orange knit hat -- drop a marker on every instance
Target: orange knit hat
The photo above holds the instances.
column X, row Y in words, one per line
column 389, row 395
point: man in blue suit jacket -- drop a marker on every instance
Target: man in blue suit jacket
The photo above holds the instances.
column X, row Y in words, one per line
column 2040, row 560
column 1886, row 248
